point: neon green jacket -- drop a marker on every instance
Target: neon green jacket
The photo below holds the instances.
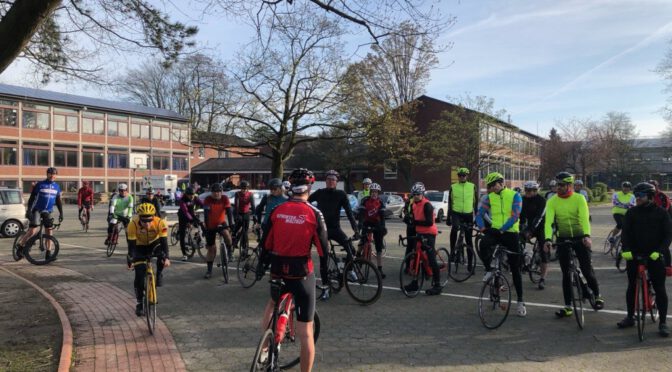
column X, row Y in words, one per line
column 569, row 214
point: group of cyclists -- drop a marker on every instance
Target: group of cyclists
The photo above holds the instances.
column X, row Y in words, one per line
column 293, row 219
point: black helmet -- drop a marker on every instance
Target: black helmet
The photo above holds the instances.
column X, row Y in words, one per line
column 626, row 184
column 189, row 191
column 644, row 187
column 244, row 184
column 216, row 187
column 274, row 183
column 301, row 179
column 332, row 173
column 564, row 177
column 52, row 170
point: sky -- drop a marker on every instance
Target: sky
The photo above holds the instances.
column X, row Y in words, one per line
column 543, row 61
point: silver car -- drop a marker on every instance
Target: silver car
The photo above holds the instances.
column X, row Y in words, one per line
column 12, row 212
column 394, row 204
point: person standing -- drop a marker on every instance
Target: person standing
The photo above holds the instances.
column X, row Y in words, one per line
column 216, row 213
column 622, row 201
column 659, row 198
column 84, row 199
column 461, row 206
column 186, row 216
column 532, row 220
column 371, row 215
column 554, row 189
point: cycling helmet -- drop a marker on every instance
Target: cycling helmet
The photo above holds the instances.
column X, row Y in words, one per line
column 301, row 179
column 244, row 184
column 418, row 188
column 332, row 173
column 564, row 177
column 531, row 185
column 146, row 209
column 150, row 190
column 189, row 191
column 654, row 183
column 646, row 188
column 375, row 187
column 122, row 187
column 286, row 185
column 493, row 177
column 462, row 171
column 216, row 187
column 626, row 184
column 367, row 180
column 274, row 183
column 52, row 170
column 553, row 183
column 578, row 182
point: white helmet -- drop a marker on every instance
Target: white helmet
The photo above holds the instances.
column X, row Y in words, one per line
column 122, row 186
column 418, row 188
column 578, row 182
column 375, row 187
column 286, row 185
column 367, row 180
column 531, row 185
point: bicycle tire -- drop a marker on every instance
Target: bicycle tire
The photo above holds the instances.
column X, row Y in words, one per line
column 534, row 268
column 290, row 345
column 150, row 302
column 459, row 269
column 640, row 307
column 616, row 251
column 110, row 248
column 15, row 253
column 443, row 260
column 653, row 310
column 491, row 310
column 620, row 262
column 259, row 363
column 607, row 247
column 247, row 270
column 334, row 275
column 368, row 286
column 190, row 246
column 577, row 299
column 174, row 234
column 85, row 221
column 37, row 255
column 414, row 274
column 224, row 262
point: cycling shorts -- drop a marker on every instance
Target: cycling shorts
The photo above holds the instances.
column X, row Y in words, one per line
column 303, row 291
column 619, row 220
column 34, row 220
column 211, row 237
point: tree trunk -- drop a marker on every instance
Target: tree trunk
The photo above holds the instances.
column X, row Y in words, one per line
column 18, row 26
column 277, row 166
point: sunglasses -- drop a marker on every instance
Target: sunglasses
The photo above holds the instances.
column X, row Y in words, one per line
column 146, row 219
column 641, row 195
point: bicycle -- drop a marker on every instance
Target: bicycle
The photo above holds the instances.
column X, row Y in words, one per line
column 609, row 245
column 175, row 233
column 645, row 297
column 620, row 264
column 194, row 241
column 247, row 264
column 415, row 265
column 494, row 301
column 361, row 278
column 240, row 239
column 223, row 254
column 580, row 289
column 84, row 218
column 149, row 299
column 114, row 238
column 459, row 268
column 280, row 335
column 531, row 262
column 47, row 244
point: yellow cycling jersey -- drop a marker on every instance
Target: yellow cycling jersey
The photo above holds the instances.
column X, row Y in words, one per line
column 156, row 229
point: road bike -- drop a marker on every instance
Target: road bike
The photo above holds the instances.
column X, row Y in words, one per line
column 415, row 266
column 361, row 278
column 150, row 298
column 611, row 242
column 580, row 290
column 645, row 297
column 223, row 254
column 240, row 238
column 175, row 233
column 494, row 301
column 85, row 217
column 114, row 237
column 531, row 260
column 194, row 240
column 39, row 249
column 278, row 347
column 462, row 262
column 247, row 264
column 618, row 249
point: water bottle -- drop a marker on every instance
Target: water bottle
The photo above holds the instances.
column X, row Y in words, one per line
column 281, row 327
column 341, row 265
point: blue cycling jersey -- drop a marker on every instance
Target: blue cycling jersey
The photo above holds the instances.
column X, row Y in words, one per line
column 45, row 194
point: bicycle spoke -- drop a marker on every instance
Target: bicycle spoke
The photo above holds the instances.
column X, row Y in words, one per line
column 247, row 270
column 363, row 281
column 494, row 301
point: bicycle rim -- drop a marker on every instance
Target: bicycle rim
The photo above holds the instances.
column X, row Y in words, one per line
column 110, row 248
column 577, row 299
column 247, row 270
column 290, row 348
column 494, row 301
column 262, row 357
column 35, row 250
column 640, row 308
column 191, row 246
column 606, row 248
column 367, row 287
column 333, row 274
column 174, row 235
column 535, row 267
column 15, row 253
column 443, row 260
column 406, row 278
column 150, row 302
column 224, row 259
column 459, row 269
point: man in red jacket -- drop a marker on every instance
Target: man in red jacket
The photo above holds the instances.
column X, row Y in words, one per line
column 84, row 199
column 659, row 198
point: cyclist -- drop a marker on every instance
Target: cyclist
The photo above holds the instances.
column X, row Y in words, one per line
column 504, row 206
column 569, row 212
column 216, row 213
column 270, row 201
column 461, row 205
column 153, row 200
column 186, row 216
column 425, row 227
column 243, row 209
column 659, row 198
column 43, row 197
column 578, row 188
column 288, row 235
column 366, row 184
column 287, row 187
column 121, row 209
column 554, row 189
column 371, row 214
column 146, row 233
column 532, row 218
column 647, row 232
column 84, row 199
column 622, row 201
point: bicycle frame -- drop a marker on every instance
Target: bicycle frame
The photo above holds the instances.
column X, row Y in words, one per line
column 420, row 254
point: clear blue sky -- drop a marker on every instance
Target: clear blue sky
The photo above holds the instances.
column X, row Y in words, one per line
column 541, row 60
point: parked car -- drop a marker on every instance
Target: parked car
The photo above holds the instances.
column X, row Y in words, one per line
column 394, row 204
column 353, row 205
column 439, row 200
column 12, row 213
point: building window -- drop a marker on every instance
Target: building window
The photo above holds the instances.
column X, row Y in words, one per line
column 201, row 151
column 112, row 128
column 93, row 159
column 160, row 162
column 65, row 158
column 165, row 134
column 156, row 133
column 68, row 186
column 93, row 126
column 36, row 120
column 65, row 123
column 117, row 160
column 35, row 156
column 223, row 154
column 180, row 163
column 8, row 150
column 12, row 184
column 117, row 128
column 144, row 131
column 390, row 170
column 135, row 130
column 8, row 113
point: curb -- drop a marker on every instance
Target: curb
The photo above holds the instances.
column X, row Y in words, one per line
column 66, row 347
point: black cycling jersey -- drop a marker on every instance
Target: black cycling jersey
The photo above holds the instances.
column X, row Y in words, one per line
column 532, row 213
column 330, row 202
column 647, row 229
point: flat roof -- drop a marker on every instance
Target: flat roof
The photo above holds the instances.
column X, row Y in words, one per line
column 51, row 97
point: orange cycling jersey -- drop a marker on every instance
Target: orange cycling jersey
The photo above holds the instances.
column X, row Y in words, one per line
column 156, row 229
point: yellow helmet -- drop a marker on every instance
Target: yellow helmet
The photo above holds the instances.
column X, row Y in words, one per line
column 146, row 209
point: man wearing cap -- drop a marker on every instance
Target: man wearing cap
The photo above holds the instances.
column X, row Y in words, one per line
column 153, row 200
column 461, row 205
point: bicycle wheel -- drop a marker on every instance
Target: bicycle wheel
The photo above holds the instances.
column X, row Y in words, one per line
column 224, row 262
column 535, row 267
column 443, row 260
column 247, row 270
column 620, row 263
column 289, row 350
column 262, row 357
column 640, row 307
column 150, row 301
column 494, row 301
column 85, row 220
column 614, row 251
column 414, row 274
column 174, row 234
column 577, row 299
column 607, row 247
column 15, row 253
column 191, row 245
column 36, row 249
column 112, row 243
column 459, row 269
column 334, row 274
column 363, row 281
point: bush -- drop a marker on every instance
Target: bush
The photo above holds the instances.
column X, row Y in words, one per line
column 599, row 191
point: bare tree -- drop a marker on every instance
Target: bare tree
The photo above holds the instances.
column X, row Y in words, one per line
column 616, row 135
column 554, row 155
column 44, row 33
column 664, row 68
column 582, row 146
column 288, row 84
